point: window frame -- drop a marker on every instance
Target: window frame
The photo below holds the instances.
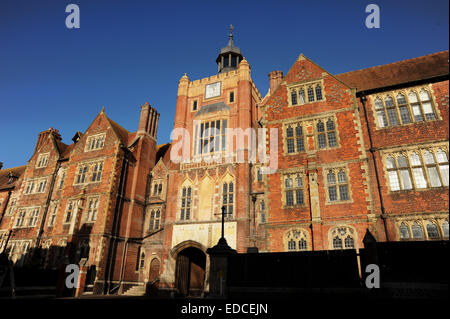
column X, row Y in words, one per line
column 295, row 89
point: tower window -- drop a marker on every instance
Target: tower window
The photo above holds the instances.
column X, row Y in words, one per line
column 231, row 97
column 194, row 105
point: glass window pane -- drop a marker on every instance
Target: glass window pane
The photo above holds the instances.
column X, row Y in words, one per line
column 331, row 178
column 298, row 182
column 318, row 92
column 343, row 192
column 349, row 243
column 289, row 132
column 294, row 97
column 412, row 97
column 330, row 125
column 301, row 96
column 300, row 144
column 299, row 196
column 382, row 121
column 406, row 179
column 417, row 112
column 310, row 94
column 332, row 193
column 331, row 139
column 415, row 159
column 388, row 101
column 290, row 146
column 401, row 99
column 424, row 96
column 429, row 159
column 441, row 156
column 445, row 228
column 401, row 160
column 404, row 231
column 434, row 177
column 428, row 110
column 444, row 174
column 432, row 231
column 322, row 141
column 289, row 198
column 393, row 181
column 298, row 130
column 392, row 115
column 337, row 243
column 390, row 162
column 378, row 104
column 404, row 114
column 419, row 178
column 341, row 177
column 417, row 231
column 320, row 127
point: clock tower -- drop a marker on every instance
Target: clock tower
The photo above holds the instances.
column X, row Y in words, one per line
column 229, row 56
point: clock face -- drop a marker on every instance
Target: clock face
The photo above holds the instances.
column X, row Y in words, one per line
column 212, row 90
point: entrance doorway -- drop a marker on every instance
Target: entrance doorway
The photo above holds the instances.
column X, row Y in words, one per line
column 190, row 271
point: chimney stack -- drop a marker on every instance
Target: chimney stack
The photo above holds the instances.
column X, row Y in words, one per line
column 148, row 121
column 275, row 78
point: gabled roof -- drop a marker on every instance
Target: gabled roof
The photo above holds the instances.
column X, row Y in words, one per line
column 397, row 73
column 119, row 130
column 163, row 151
column 4, row 176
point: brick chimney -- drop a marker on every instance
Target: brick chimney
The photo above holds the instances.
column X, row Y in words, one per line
column 44, row 134
column 148, row 121
column 275, row 78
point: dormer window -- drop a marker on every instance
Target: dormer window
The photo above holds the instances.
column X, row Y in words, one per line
column 306, row 93
column 42, row 160
column 95, row 142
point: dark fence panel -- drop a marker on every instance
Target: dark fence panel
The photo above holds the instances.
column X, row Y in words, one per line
column 317, row 269
column 412, row 261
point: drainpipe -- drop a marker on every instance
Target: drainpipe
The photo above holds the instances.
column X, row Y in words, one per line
column 115, row 223
column 47, row 204
column 363, row 99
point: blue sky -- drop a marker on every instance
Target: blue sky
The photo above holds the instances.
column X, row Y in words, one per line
column 129, row 52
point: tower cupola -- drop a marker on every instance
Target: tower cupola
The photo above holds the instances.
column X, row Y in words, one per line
column 229, row 56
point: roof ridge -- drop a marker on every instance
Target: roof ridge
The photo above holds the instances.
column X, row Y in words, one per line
column 12, row 168
column 396, row 62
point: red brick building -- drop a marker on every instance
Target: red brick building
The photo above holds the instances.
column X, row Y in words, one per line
column 363, row 150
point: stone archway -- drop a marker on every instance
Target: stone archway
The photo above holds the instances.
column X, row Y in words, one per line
column 190, row 271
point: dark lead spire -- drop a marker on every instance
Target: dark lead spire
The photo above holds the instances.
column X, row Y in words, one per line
column 229, row 56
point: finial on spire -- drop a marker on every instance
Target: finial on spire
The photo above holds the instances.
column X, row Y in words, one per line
column 230, row 41
column 103, row 110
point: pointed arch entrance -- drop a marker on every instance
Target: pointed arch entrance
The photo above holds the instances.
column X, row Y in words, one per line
column 190, row 271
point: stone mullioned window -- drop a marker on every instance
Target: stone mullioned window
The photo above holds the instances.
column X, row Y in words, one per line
column 417, row 169
column 422, row 229
column 293, row 190
column 27, row 217
column 95, row 142
column 306, row 93
column 89, row 173
column 403, row 107
column 337, row 185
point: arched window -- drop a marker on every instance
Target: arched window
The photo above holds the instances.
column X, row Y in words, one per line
column 289, row 192
column 417, row 170
column 294, row 97
column 259, row 174
column 349, row 243
column 318, row 92
column 432, row 230
column 381, row 115
column 290, row 139
column 432, row 169
column 142, row 261
column 228, row 198
column 297, row 240
column 310, row 94
column 417, row 231
column 337, row 243
column 404, row 172
column 301, row 96
column 415, row 107
column 155, row 219
column 299, row 138
column 442, row 159
column 155, row 189
column 391, row 111
column 426, row 105
column 186, row 203
column 445, row 229
column 159, row 189
column 403, row 109
column 343, row 237
column 292, row 245
column 404, row 231
column 326, row 138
